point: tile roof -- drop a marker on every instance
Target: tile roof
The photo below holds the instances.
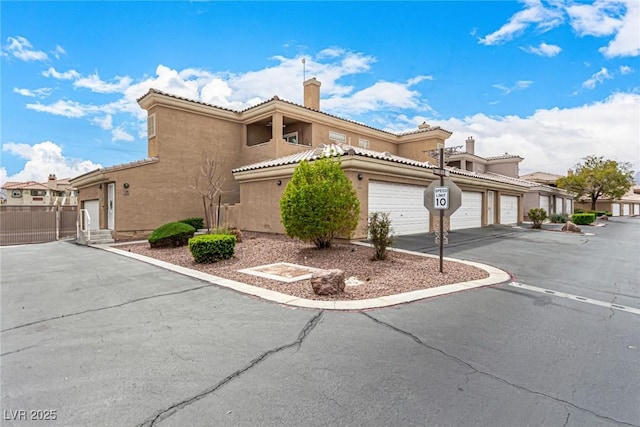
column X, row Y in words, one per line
column 504, row 156
column 120, row 166
column 276, row 98
column 336, row 150
column 29, row 185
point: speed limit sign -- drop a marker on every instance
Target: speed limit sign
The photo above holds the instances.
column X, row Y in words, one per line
column 441, row 198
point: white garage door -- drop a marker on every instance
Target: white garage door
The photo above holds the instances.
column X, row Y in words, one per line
column 636, row 209
column 544, row 204
column 557, row 207
column 509, row 209
column 469, row 215
column 405, row 203
column 615, row 209
column 625, row 210
column 569, row 206
column 92, row 207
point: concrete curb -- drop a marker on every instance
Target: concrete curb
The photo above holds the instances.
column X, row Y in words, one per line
column 496, row 276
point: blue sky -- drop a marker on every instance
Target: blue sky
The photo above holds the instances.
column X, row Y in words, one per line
column 552, row 81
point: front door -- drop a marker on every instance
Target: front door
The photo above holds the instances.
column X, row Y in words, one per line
column 111, row 206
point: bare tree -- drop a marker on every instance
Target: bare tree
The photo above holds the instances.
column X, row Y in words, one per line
column 209, row 182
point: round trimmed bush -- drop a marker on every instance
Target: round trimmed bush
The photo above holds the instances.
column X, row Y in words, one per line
column 171, row 234
column 212, row 247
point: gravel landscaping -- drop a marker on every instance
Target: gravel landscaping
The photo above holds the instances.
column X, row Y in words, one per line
column 399, row 273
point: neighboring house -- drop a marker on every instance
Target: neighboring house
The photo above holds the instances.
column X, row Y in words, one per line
column 52, row 192
column 627, row 205
column 541, row 189
column 546, row 195
column 257, row 150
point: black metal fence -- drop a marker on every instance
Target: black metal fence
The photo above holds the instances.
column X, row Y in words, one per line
column 36, row 224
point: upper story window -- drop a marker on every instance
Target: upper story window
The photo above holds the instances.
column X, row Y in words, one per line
column 151, row 126
column 364, row 143
column 16, row 193
column 39, row 193
column 337, row 137
column 291, row 138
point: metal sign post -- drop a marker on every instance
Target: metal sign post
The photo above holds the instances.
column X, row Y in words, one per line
column 441, row 245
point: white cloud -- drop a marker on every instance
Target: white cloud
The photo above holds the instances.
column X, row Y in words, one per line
column 535, row 13
column 95, row 84
column 105, row 122
column 552, row 140
column 63, row 108
column 519, row 85
column 119, row 134
column 42, row 92
column 624, row 69
column 595, row 19
column 626, row 41
column 598, row 77
column 543, row 49
column 58, row 51
column 43, row 159
column 67, row 75
column 20, row 48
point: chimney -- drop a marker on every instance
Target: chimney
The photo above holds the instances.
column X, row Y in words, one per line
column 52, row 177
column 424, row 126
column 312, row 94
column 470, row 145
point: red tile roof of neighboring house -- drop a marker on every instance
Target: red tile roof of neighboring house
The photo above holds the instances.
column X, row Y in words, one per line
column 276, row 98
column 29, row 185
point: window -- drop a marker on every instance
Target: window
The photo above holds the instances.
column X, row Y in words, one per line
column 38, row 193
column 151, row 126
column 364, row 143
column 16, row 193
column 291, row 138
column 337, row 137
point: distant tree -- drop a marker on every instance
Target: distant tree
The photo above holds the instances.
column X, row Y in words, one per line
column 319, row 203
column 598, row 178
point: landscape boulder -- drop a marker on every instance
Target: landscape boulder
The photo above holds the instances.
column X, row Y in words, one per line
column 327, row 282
column 571, row 227
column 604, row 218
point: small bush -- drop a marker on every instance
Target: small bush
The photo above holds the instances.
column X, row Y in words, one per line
column 558, row 218
column 380, row 233
column 537, row 215
column 170, row 235
column 578, row 211
column 196, row 223
column 212, row 247
column 230, row 231
column 583, row 218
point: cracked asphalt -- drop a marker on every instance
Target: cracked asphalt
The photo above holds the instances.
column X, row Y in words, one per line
column 105, row 340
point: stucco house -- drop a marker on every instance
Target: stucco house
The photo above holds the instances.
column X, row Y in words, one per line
column 31, row 193
column 627, row 205
column 546, row 195
column 258, row 149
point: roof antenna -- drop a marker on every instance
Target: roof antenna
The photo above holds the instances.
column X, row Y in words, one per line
column 304, row 71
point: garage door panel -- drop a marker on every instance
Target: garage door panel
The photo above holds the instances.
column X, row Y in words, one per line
column 509, row 209
column 544, row 204
column 625, row 209
column 636, row 209
column 615, row 209
column 469, row 215
column 404, row 203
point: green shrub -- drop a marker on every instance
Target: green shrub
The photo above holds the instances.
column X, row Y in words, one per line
column 380, row 233
column 170, row 235
column 578, row 211
column 559, row 218
column 196, row 223
column 583, row 218
column 230, row 231
column 319, row 203
column 537, row 215
column 212, row 247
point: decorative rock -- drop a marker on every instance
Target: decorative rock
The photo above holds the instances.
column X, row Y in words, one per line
column 604, row 218
column 327, row 282
column 571, row 227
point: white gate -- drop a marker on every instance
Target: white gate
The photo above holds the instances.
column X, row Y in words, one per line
column 111, row 206
column 93, row 209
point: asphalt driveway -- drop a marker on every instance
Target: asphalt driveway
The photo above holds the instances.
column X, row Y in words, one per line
column 108, row 341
